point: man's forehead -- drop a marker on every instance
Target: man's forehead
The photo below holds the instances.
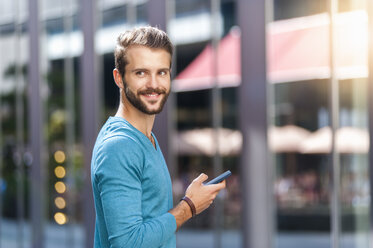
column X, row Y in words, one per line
column 140, row 48
column 144, row 55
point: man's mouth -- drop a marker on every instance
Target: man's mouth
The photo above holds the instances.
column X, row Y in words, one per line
column 152, row 94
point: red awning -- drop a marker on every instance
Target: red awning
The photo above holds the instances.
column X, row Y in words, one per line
column 199, row 74
column 297, row 49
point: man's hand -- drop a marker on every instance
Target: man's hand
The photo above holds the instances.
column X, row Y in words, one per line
column 201, row 195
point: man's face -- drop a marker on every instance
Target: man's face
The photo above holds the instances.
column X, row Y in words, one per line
column 147, row 78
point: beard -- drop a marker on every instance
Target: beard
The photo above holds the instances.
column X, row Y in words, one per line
column 136, row 101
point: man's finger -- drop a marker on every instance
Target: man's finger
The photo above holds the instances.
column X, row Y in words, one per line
column 217, row 186
column 201, row 178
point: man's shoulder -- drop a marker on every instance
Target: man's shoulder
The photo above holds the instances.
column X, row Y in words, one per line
column 119, row 141
column 115, row 136
column 115, row 145
column 117, row 130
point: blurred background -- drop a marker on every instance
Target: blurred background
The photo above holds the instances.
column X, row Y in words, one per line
column 276, row 91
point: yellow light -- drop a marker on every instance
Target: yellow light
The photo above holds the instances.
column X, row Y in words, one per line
column 60, row 187
column 59, row 156
column 60, row 202
column 60, row 218
column 60, row 172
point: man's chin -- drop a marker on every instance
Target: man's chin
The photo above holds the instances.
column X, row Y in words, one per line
column 153, row 107
column 153, row 111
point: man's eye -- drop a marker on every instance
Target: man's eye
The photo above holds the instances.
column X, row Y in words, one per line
column 163, row 73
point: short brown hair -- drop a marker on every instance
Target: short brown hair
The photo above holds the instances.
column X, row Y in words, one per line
column 150, row 37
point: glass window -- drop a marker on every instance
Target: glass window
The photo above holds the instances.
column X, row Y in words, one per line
column 195, row 131
column 300, row 134
column 63, row 162
column 286, row 9
column 14, row 157
column 190, row 7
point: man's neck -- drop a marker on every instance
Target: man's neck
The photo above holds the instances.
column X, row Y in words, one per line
column 141, row 121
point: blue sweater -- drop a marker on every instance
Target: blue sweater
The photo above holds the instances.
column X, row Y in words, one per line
column 132, row 189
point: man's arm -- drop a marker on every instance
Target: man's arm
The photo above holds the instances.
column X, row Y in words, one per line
column 118, row 180
column 201, row 196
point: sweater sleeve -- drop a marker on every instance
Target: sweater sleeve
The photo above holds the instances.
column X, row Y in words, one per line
column 118, row 177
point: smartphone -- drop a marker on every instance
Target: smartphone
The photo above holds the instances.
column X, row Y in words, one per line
column 219, row 178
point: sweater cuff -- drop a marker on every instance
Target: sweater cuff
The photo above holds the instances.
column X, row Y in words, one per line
column 169, row 222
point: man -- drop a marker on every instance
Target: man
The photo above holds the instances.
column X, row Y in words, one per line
column 131, row 183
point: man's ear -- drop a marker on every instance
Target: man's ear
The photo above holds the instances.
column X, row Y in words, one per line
column 118, row 78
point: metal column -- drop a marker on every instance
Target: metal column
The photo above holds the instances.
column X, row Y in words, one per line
column 334, row 117
column 157, row 14
column 256, row 183
column 131, row 12
column 89, row 101
column 216, row 103
column 157, row 17
column 20, row 173
column 36, row 125
column 69, row 98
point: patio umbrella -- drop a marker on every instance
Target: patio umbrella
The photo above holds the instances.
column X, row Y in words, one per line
column 287, row 138
column 352, row 140
column 202, row 141
column 319, row 141
column 348, row 140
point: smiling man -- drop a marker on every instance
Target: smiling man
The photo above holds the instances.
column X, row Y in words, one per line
column 131, row 183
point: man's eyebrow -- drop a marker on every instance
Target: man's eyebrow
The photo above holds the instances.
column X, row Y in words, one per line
column 144, row 69
column 139, row 69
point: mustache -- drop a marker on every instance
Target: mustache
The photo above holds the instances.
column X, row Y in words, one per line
column 152, row 90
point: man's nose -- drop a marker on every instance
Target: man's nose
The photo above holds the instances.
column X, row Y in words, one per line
column 153, row 81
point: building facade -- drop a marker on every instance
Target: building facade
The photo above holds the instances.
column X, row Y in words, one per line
column 277, row 91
